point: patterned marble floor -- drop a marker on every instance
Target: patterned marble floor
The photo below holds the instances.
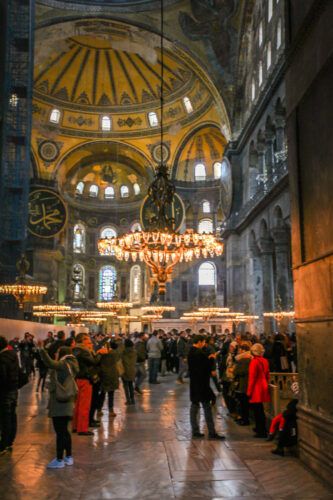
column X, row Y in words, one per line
column 146, row 453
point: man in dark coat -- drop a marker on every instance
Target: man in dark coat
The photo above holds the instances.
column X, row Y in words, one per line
column 9, row 377
column 200, row 367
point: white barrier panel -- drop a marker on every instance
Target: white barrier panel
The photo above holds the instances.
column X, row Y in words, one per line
column 11, row 328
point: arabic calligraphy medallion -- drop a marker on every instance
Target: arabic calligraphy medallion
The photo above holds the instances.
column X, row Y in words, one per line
column 47, row 213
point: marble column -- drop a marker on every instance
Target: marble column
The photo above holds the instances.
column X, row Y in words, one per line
column 214, row 218
column 280, row 126
column 261, row 157
column 280, row 237
column 266, row 246
column 195, row 221
column 269, row 141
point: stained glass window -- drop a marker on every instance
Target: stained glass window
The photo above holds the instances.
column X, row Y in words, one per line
column 124, row 191
column 107, row 278
column 109, row 192
column 135, row 290
column 136, row 188
column 217, row 170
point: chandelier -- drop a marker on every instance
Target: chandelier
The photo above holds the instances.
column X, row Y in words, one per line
column 114, row 305
column 22, row 290
column 161, row 247
column 157, row 309
column 279, row 315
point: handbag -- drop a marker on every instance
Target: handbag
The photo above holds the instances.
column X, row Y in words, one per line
column 284, row 363
column 68, row 390
column 120, row 367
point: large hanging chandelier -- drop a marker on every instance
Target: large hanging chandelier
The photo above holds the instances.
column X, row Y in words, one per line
column 161, row 247
column 22, row 290
column 157, row 309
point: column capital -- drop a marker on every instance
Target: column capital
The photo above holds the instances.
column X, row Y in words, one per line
column 266, row 245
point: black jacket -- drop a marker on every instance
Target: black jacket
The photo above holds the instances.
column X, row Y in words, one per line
column 52, row 349
column 200, row 368
column 9, row 371
column 88, row 362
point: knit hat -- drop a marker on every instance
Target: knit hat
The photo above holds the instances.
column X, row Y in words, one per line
column 257, row 349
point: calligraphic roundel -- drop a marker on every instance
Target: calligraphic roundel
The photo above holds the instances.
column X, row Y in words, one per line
column 149, row 210
column 47, row 213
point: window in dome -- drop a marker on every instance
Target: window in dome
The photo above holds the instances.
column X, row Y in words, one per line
column 260, row 73
column 79, row 188
column 200, row 172
column 136, row 188
column 136, row 227
column 107, row 279
column 188, row 105
column 270, row 10
column 205, row 226
column 79, row 238
column 260, row 35
column 153, row 119
column 135, row 284
column 269, row 55
column 207, row 274
column 217, row 170
column 106, row 123
column 206, row 207
column 93, row 191
column 108, row 232
column 279, row 34
column 109, row 193
column 253, row 90
column 55, row 116
column 124, row 191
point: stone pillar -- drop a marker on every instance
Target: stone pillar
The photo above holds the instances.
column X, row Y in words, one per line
column 266, row 246
column 280, row 236
column 280, row 125
column 261, row 157
column 195, row 221
column 269, row 141
column 214, row 218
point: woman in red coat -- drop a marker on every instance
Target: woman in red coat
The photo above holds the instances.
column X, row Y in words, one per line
column 257, row 390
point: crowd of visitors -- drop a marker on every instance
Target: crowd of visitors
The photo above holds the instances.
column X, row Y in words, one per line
column 81, row 371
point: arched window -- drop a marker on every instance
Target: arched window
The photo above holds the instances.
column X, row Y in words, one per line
column 279, row 34
column 253, row 90
column 205, row 226
column 124, row 191
column 207, row 274
column 107, row 282
column 136, row 227
column 135, row 288
column 269, row 55
column 270, row 10
column 200, row 172
column 206, row 207
column 260, row 73
column 106, row 123
column 109, row 193
column 79, row 188
column 55, row 116
column 79, row 238
column 136, row 188
column 217, row 170
column 93, row 191
column 260, row 34
column 78, row 281
column 153, row 119
column 108, row 232
column 188, row 105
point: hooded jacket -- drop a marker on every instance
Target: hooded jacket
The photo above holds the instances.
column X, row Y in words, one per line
column 258, row 390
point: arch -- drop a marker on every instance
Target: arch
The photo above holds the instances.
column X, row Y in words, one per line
column 107, row 283
column 136, row 226
column 79, row 238
column 217, row 167
column 153, row 119
column 108, row 232
column 269, row 55
column 278, row 217
column 109, row 193
column 205, row 226
column 279, row 33
column 124, row 191
column 93, row 191
column 79, row 188
column 207, row 274
column 206, row 209
column 200, row 172
column 135, row 284
column 260, row 74
column 136, row 189
column 263, row 229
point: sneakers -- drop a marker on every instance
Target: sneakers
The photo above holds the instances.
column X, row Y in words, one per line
column 68, row 460
column 216, row 437
column 55, row 464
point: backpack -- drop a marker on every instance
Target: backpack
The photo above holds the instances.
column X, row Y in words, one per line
column 67, row 390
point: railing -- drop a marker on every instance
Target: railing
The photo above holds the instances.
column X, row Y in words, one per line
column 284, row 381
column 279, row 171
